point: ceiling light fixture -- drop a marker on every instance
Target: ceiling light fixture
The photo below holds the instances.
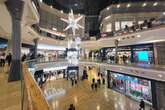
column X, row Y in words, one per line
column 54, row 29
column 51, row 6
column 144, row 4
column 118, row 6
column 128, row 5
column 160, row 75
column 75, row 4
column 108, row 8
column 138, row 35
column 61, row 11
column 155, row 4
column 163, row 13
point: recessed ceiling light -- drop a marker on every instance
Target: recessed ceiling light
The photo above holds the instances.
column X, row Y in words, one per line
column 163, row 13
column 118, row 6
column 144, row 4
column 128, row 5
column 138, row 35
column 160, row 75
column 108, row 8
column 155, row 4
column 75, row 4
column 54, row 29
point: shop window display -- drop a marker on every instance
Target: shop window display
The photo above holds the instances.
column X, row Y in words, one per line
column 133, row 87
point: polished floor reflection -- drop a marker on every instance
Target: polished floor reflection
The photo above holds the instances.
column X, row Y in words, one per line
column 84, row 98
column 10, row 93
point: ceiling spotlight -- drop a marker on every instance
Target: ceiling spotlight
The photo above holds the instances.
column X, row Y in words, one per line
column 144, row 4
column 163, row 13
column 54, row 29
column 75, row 4
column 108, row 8
column 160, row 75
column 138, row 35
column 155, row 4
column 118, row 6
column 128, row 5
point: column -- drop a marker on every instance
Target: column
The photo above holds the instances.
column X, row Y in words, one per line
column 35, row 47
column 158, row 95
column 116, row 50
column 15, row 8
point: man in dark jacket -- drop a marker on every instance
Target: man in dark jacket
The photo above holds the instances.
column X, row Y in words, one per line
column 9, row 59
column 142, row 105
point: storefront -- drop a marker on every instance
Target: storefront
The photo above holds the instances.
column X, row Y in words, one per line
column 124, row 55
column 136, row 88
column 143, row 54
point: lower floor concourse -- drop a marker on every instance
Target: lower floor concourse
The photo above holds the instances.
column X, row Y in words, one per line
column 84, row 98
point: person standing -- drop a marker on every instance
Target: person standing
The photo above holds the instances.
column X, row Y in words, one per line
column 95, row 86
column 9, row 59
column 71, row 107
column 103, row 81
column 142, row 105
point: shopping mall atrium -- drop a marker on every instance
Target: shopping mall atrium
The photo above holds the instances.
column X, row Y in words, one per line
column 82, row 54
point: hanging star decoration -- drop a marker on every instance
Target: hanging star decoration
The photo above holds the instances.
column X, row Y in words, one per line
column 72, row 22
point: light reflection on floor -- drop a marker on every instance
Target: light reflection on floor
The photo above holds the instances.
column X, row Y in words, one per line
column 85, row 99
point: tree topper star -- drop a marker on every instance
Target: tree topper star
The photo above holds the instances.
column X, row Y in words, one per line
column 72, row 22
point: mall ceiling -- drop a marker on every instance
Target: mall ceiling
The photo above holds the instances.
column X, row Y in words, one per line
column 87, row 7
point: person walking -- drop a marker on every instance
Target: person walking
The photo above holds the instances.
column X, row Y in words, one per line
column 9, row 59
column 71, row 107
column 142, row 105
column 103, row 81
column 92, row 86
column 95, row 86
column 72, row 82
column 99, row 82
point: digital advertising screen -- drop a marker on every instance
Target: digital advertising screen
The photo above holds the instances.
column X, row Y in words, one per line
column 143, row 56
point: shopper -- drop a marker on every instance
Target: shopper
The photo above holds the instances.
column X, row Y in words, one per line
column 142, row 105
column 9, row 59
column 72, row 81
column 2, row 60
column 99, row 82
column 95, row 86
column 23, row 58
column 75, row 81
column 92, row 86
column 71, row 107
column 103, row 81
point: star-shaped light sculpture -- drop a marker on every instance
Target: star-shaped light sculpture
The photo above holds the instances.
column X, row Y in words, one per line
column 72, row 22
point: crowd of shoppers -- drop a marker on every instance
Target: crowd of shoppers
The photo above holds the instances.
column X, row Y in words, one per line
column 4, row 60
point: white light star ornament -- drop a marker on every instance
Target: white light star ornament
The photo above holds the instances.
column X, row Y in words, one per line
column 72, row 22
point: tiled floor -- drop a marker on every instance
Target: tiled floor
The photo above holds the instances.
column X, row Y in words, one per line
column 10, row 93
column 84, row 98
